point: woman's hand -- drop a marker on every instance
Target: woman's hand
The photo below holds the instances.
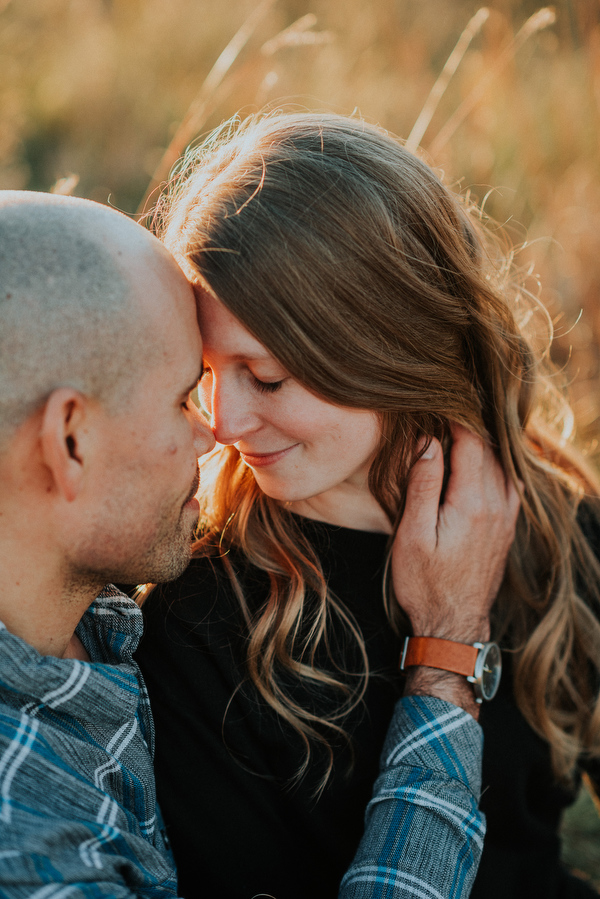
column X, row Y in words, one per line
column 448, row 560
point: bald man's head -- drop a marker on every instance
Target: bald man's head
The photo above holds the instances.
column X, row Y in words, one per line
column 68, row 314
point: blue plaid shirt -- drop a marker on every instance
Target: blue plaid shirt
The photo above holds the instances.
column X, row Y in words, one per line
column 77, row 795
column 78, row 814
column 424, row 832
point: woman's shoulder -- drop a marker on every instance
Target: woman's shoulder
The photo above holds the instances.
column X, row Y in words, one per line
column 586, row 577
column 588, row 519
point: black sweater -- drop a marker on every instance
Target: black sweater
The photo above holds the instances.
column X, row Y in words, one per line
column 238, row 824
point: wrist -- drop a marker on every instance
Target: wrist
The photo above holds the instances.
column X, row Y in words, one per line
column 442, row 685
column 476, row 630
column 478, row 664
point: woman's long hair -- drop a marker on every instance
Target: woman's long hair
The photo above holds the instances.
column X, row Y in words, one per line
column 378, row 288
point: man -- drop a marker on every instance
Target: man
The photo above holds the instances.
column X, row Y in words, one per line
column 98, row 467
column 99, row 352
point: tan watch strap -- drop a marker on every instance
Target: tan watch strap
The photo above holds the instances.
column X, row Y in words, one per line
column 432, row 652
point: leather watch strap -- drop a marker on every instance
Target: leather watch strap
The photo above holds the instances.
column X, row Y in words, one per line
column 432, row 652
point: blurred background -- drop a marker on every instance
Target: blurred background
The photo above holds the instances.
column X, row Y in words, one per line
column 99, row 97
column 99, row 89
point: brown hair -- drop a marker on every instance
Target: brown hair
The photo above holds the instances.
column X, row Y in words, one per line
column 378, row 288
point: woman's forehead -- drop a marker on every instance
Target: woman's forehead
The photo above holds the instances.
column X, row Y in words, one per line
column 224, row 334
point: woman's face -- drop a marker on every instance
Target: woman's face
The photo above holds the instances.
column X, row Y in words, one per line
column 299, row 446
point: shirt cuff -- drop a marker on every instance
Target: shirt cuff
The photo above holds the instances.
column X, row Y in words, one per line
column 432, row 733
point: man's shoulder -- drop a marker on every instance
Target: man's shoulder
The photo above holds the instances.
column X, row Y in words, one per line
column 47, row 763
column 76, row 793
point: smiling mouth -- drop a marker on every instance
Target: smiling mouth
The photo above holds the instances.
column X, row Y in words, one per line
column 259, row 460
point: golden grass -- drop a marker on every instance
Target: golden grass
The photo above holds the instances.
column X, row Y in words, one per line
column 505, row 100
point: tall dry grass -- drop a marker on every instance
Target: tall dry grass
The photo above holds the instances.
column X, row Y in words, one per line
column 99, row 89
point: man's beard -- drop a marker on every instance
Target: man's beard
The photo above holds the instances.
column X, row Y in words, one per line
column 103, row 558
column 170, row 558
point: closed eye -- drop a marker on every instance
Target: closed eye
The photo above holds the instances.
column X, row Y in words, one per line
column 266, row 386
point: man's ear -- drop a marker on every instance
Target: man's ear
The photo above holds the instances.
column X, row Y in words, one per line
column 65, row 422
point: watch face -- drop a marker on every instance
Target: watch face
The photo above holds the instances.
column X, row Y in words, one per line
column 488, row 670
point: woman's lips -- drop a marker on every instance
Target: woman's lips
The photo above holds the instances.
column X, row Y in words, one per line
column 261, row 460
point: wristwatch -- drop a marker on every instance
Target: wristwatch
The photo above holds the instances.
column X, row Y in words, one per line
column 480, row 663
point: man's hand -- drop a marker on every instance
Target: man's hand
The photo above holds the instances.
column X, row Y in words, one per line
column 448, row 560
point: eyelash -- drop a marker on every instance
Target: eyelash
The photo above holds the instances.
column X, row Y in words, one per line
column 266, row 386
column 261, row 386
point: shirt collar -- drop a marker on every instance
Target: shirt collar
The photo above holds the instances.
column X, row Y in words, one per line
column 110, row 631
column 111, row 628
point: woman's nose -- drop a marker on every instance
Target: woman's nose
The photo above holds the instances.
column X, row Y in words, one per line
column 232, row 416
column 204, row 439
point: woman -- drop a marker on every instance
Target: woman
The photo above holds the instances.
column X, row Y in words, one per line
column 334, row 271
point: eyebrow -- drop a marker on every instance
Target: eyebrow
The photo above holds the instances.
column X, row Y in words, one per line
column 254, row 357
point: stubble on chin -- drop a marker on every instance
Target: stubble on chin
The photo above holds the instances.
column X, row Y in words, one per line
column 105, row 560
column 171, row 557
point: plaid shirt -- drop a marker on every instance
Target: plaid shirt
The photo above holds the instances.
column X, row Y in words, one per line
column 78, row 814
column 424, row 832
